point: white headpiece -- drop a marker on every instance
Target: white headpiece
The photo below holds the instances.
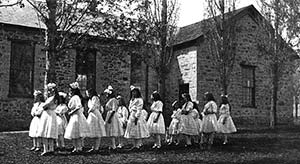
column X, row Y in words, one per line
column 224, row 95
column 132, row 87
column 51, row 85
column 74, row 85
column 63, row 94
column 109, row 89
column 36, row 92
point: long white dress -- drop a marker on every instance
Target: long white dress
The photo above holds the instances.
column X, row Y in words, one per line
column 209, row 122
column 114, row 127
column 225, row 121
column 77, row 126
column 174, row 125
column 34, row 125
column 95, row 120
column 123, row 116
column 48, row 123
column 196, row 116
column 62, row 122
column 137, row 125
column 157, row 127
column 188, row 124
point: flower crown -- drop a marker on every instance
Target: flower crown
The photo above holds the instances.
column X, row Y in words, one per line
column 224, row 95
column 74, row 85
column 36, row 92
column 51, row 85
column 132, row 87
column 109, row 89
column 63, row 94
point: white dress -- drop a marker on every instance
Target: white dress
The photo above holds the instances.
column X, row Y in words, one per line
column 157, row 127
column 188, row 124
column 137, row 125
column 209, row 122
column 225, row 121
column 173, row 127
column 114, row 127
column 77, row 126
column 196, row 116
column 95, row 120
column 48, row 122
column 62, row 122
column 34, row 125
column 123, row 116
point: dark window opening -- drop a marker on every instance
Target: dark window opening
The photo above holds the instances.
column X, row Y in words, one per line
column 248, row 86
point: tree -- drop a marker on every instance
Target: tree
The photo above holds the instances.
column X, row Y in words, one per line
column 278, row 32
column 220, row 35
column 70, row 23
column 155, row 32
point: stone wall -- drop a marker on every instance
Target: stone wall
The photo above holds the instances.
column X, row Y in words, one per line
column 15, row 112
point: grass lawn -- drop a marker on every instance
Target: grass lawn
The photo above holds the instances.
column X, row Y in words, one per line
column 281, row 145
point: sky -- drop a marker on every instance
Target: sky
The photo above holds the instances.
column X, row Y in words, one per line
column 192, row 11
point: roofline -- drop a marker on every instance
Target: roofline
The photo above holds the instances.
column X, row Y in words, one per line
column 22, row 26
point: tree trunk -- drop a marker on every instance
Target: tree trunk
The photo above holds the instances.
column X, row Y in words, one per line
column 50, row 41
column 146, row 83
column 163, row 51
column 273, row 118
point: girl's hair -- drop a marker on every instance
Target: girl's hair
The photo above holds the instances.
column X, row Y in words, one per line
column 138, row 93
column 195, row 106
column 224, row 100
column 209, row 96
column 56, row 95
column 76, row 91
column 61, row 100
column 156, row 96
column 92, row 92
column 39, row 98
column 187, row 96
column 121, row 101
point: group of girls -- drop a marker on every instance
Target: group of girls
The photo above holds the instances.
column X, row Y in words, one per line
column 188, row 122
column 50, row 125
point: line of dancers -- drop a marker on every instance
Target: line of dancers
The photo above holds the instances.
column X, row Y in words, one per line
column 50, row 124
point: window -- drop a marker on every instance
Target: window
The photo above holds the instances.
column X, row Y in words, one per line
column 86, row 68
column 248, row 86
column 21, row 69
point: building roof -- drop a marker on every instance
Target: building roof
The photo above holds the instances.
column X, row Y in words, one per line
column 194, row 31
column 25, row 16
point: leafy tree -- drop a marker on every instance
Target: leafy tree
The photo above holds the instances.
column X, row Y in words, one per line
column 280, row 32
column 220, row 36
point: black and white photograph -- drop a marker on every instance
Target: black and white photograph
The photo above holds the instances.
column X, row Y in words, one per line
column 149, row 81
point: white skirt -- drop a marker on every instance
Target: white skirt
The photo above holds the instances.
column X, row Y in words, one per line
column 114, row 128
column 227, row 126
column 138, row 130
column 173, row 127
column 61, row 124
column 96, row 124
column 209, row 123
column 188, row 125
column 34, row 126
column 48, row 125
column 77, row 126
column 159, row 126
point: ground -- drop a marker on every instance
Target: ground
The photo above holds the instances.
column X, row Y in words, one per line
column 281, row 145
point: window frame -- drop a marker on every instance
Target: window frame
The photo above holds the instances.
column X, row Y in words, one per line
column 253, row 89
column 33, row 45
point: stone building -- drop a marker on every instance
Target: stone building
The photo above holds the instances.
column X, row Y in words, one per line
column 22, row 63
column 250, row 88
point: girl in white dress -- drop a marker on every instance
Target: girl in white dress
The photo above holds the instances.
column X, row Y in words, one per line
column 137, row 125
column 34, row 125
column 173, row 127
column 188, row 125
column 196, row 116
column 225, row 122
column 62, row 122
column 77, row 128
column 123, row 116
column 95, row 120
column 156, row 123
column 209, row 122
column 112, row 123
column 48, row 123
